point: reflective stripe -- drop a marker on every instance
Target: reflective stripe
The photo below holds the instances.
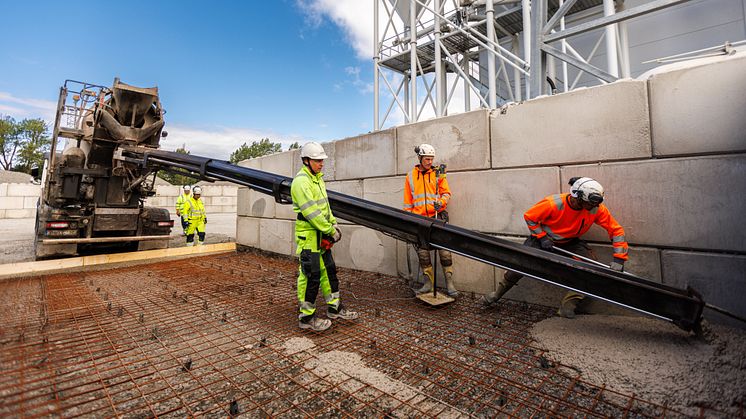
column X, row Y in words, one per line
column 322, row 201
column 558, row 201
column 313, row 215
column 306, row 205
column 307, row 308
column 622, row 250
column 332, row 298
column 418, row 196
column 618, row 239
column 531, row 223
column 411, row 185
column 551, row 234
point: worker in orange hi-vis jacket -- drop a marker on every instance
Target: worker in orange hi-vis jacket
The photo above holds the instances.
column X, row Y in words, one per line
column 426, row 192
column 560, row 220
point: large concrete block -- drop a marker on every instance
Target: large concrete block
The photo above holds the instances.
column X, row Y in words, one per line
column 644, row 262
column 11, row 202
column 277, row 236
column 296, row 161
column 366, row 156
column 259, row 204
column 278, row 164
column 284, row 211
column 254, row 163
column 461, row 141
column 365, row 249
column 3, row 189
column 699, row 109
column 600, row 123
column 211, row 190
column 20, row 213
column 230, row 190
column 683, row 202
column 330, row 164
column 29, row 202
column 387, row 191
column 23, row 189
column 224, row 200
column 2, row 214
column 247, row 231
column 165, row 190
column 242, row 202
column 348, row 187
column 720, row 278
column 494, row 201
column 230, row 209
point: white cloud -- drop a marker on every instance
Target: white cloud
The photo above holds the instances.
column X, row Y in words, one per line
column 354, row 17
column 20, row 108
column 220, row 142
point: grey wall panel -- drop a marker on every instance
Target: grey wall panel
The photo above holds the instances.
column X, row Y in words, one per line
column 461, row 141
column 692, row 202
column 699, row 109
column 366, row 156
column 721, row 279
column 387, row 191
column 600, row 123
column 494, row 201
column 365, row 249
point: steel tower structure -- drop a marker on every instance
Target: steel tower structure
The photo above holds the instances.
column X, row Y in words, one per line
column 496, row 51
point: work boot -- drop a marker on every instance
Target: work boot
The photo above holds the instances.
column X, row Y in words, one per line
column 451, row 289
column 341, row 312
column 428, row 285
column 493, row 297
column 568, row 305
column 314, row 323
column 190, row 244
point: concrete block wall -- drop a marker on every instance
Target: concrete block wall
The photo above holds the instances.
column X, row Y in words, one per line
column 217, row 198
column 18, row 200
column 670, row 151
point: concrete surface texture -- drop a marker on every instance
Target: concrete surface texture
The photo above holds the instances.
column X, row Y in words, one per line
column 670, row 191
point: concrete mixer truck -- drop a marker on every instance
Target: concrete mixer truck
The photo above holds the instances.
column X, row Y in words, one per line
column 91, row 198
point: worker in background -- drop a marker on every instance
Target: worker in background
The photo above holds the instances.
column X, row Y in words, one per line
column 316, row 231
column 426, row 192
column 180, row 201
column 560, row 220
column 194, row 212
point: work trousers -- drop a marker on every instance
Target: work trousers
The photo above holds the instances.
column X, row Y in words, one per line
column 577, row 246
column 317, row 270
column 423, row 254
column 197, row 227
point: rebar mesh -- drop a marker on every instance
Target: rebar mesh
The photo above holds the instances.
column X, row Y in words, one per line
column 211, row 336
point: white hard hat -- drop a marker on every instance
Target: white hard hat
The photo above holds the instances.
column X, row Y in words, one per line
column 187, row 188
column 425, row 150
column 587, row 189
column 197, row 190
column 313, row 150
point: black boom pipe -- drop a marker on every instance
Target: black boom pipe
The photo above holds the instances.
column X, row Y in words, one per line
column 681, row 307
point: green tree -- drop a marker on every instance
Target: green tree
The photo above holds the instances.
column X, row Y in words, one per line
column 9, row 141
column 293, row 146
column 256, row 149
column 175, row 178
column 34, row 140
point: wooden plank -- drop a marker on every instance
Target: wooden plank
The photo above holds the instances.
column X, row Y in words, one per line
column 437, row 300
column 43, row 267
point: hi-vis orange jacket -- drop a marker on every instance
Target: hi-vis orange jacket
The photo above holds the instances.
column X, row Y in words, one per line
column 553, row 216
column 419, row 192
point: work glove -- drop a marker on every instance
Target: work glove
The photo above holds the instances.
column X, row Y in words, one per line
column 546, row 243
column 437, row 205
column 337, row 234
column 617, row 265
column 205, row 220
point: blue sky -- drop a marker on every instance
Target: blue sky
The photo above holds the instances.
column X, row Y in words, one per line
column 228, row 71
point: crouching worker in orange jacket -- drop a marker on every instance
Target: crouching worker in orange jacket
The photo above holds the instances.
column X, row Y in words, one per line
column 560, row 220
